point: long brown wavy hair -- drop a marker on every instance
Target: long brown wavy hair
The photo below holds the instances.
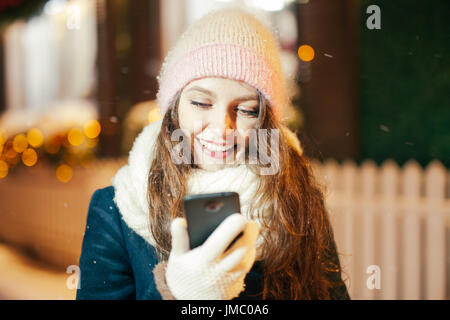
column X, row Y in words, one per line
column 299, row 242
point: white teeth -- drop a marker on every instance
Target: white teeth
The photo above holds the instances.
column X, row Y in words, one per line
column 215, row 147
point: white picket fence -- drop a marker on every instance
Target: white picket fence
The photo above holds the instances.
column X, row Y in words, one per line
column 392, row 227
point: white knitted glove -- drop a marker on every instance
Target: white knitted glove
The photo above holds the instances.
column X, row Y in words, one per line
column 206, row 272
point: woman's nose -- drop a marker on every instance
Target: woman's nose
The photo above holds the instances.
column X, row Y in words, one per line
column 222, row 122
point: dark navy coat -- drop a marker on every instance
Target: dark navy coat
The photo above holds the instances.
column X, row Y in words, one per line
column 117, row 263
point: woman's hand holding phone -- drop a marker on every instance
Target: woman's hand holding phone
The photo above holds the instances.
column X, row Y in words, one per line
column 210, row 271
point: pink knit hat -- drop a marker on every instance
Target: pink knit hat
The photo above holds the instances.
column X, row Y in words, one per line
column 229, row 43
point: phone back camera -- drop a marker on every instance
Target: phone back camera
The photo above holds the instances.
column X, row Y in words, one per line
column 214, row 206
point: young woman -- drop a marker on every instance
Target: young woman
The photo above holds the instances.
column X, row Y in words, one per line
column 222, row 95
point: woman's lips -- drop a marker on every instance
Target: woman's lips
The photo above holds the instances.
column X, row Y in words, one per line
column 214, row 150
column 223, row 143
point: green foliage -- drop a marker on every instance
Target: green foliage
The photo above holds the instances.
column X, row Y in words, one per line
column 405, row 82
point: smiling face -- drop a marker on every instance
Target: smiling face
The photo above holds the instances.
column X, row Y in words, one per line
column 217, row 114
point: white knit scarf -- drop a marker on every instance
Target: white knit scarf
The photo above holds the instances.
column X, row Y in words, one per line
column 131, row 182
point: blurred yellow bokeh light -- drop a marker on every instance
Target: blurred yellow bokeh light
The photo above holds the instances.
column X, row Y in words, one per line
column 306, row 52
column 92, row 129
column 3, row 136
column 64, row 173
column 10, row 154
column 35, row 138
column 20, row 143
column 29, row 157
column 3, row 169
column 75, row 136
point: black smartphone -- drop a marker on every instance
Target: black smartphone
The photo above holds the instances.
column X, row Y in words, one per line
column 205, row 212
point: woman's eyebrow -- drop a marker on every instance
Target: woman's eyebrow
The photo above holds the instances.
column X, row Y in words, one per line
column 210, row 93
column 205, row 91
column 247, row 98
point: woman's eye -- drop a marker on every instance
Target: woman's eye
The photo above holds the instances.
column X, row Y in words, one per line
column 200, row 105
column 251, row 113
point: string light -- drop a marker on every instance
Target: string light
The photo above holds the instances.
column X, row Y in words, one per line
column 64, row 173
column 3, row 136
column 20, row 143
column 75, row 136
column 306, row 53
column 3, row 169
column 35, row 138
column 29, row 157
column 74, row 147
column 92, row 129
column 10, row 153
